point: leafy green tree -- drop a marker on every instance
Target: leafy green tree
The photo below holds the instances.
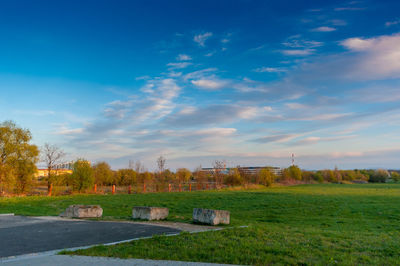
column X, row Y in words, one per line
column 266, row 177
column 82, row 176
column 17, row 156
column 125, row 177
column 329, row 175
column 103, row 175
column 318, row 176
column 395, row 176
column 348, row 175
column 307, row 175
column 64, row 179
column 183, row 174
column 292, row 172
column 358, row 175
column 368, row 173
column 233, row 177
column 25, row 169
column 379, row 176
column 168, row 175
column 146, row 177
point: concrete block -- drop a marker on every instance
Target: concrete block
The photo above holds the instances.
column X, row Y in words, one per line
column 149, row 213
column 213, row 217
column 83, row 211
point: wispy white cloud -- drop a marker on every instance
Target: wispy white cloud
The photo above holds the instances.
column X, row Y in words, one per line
column 349, row 8
column 392, row 23
column 142, row 77
column 315, row 10
column 200, row 39
column 315, row 140
column 209, row 84
column 276, row 138
column 271, row 69
column 65, row 131
column 296, row 41
column 211, row 115
column 179, row 65
column 324, row 29
column 209, row 54
column 377, row 94
column 298, row 52
column 338, row 22
column 117, row 109
column 296, row 106
column 183, row 57
column 375, row 58
column 35, row 112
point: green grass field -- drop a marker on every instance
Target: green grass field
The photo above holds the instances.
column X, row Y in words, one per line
column 306, row 224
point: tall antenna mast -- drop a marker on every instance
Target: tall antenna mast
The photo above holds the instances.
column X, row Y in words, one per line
column 292, row 159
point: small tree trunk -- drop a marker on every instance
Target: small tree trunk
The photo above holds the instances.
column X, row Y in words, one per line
column 49, row 189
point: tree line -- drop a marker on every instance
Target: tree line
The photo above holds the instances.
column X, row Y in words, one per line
column 18, row 159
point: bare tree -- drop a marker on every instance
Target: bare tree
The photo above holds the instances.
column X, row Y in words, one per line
column 219, row 166
column 51, row 156
column 199, row 175
column 161, row 164
column 139, row 167
column 131, row 164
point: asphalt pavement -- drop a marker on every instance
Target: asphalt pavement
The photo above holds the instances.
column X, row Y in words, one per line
column 20, row 235
column 62, row 260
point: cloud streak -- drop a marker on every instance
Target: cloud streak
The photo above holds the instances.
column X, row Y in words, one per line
column 200, row 39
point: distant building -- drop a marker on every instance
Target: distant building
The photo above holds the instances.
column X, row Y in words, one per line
column 248, row 170
column 59, row 169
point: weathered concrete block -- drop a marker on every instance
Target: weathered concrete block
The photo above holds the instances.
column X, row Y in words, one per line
column 213, row 217
column 83, row 211
column 149, row 213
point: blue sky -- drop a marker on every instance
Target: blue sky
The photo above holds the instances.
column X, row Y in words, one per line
column 248, row 82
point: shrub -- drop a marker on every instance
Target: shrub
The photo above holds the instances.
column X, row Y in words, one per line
column 318, row 177
column 183, row 174
column 266, row 177
column 125, row 177
column 233, row 178
column 82, row 176
column 293, row 172
column 395, row 176
column 379, row 176
column 103, row 175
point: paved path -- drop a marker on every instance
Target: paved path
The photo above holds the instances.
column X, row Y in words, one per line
column 24, row 235
column 98, row 261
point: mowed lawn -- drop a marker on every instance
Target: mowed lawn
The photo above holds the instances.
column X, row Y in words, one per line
column 306, row 224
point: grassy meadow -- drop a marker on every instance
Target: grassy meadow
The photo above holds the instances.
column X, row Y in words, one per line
column 305, row 224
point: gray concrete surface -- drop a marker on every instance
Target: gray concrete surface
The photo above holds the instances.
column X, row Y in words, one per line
column 83, row 211
column 149, row 213
column 62, row 260
column 24, row 235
